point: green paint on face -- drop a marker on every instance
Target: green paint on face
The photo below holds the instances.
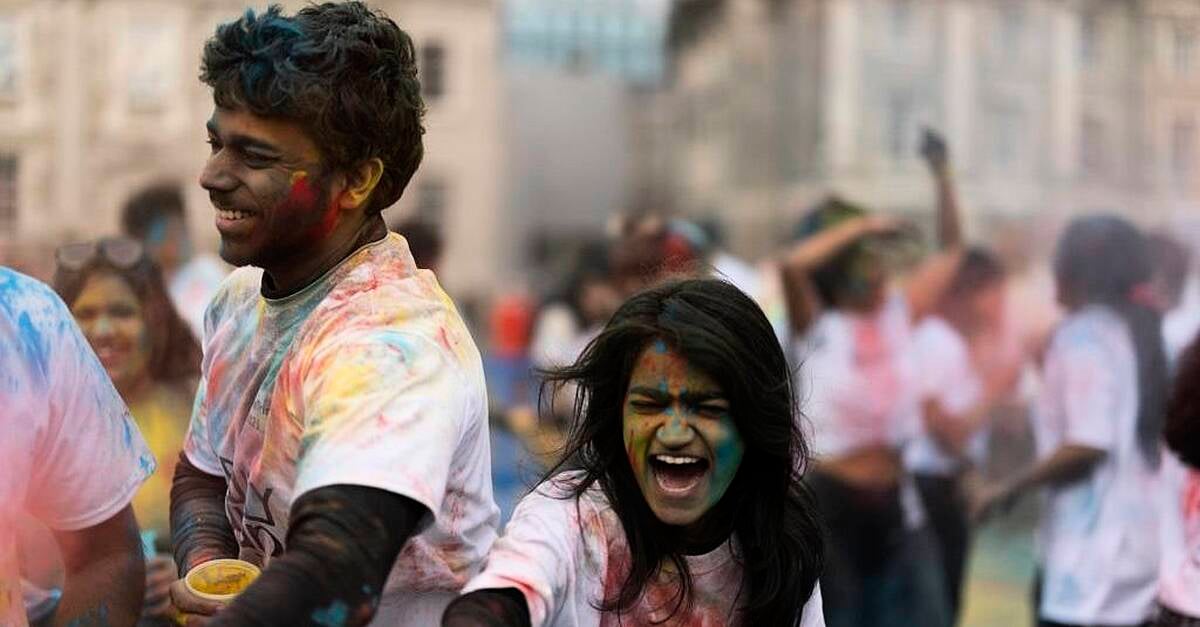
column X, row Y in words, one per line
column 683, row 445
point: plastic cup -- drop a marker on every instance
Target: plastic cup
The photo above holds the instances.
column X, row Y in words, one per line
column 220, row 580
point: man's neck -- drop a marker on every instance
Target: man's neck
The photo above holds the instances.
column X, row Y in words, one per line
column 294, row 275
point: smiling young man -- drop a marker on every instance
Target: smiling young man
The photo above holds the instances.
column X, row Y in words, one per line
column 339, row 437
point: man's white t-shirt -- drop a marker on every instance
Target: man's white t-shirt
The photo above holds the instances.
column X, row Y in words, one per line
column 366, row 377
column 72, row 455
column 948, row 376
column 1098, row 538
column 569, row 555
column 1179, row 575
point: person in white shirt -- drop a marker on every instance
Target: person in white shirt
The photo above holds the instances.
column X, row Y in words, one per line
column 339, row 438
column 965, row 373
column 1179, row 577
column 679, row 498
column 860, row 383
column 72, row 459
column 1098, row 426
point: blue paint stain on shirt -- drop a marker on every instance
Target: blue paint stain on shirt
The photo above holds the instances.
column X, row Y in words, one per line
column 333, row 616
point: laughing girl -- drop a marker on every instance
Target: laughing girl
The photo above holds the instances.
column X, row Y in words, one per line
column 679, row 501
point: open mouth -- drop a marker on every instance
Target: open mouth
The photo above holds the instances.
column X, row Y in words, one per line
column 110, row 355
column 678, row 474
column 232, row 216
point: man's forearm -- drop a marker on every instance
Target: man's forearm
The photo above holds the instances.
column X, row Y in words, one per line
column 200, row 530
column 341, row 544
column 105, row 575
column 1068, row 464
column 949, row 220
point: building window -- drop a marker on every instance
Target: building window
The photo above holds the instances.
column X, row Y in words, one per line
column 1185, row 48
column 433, row 71
column 1012, row 27
column 899, row 126
column 1007, row 133
column 1092, row 147
column 8, row 194
column 1183, row 149
column 431, row 200
column 151, row 53
column 1089, row 39
column 9, row 70
column 901, row 14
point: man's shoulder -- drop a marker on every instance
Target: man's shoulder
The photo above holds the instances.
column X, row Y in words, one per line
column 30, row 306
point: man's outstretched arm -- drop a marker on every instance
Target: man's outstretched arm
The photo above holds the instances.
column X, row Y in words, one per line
column 342, row 542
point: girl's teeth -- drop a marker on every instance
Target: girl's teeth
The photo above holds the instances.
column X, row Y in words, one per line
column 233, row 215
column 670, row 459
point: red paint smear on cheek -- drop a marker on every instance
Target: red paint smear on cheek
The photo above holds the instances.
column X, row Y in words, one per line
column 301, row 198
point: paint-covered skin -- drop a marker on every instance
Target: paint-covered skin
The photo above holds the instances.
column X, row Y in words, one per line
column 72, row 456
column 366, row 377
column 272, row 197
column 679, row 435
column 110, row 315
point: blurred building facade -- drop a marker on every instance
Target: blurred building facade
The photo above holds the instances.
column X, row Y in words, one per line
column 99, row 98
column 582, row 77
column 616, row 37
column 1050, row 107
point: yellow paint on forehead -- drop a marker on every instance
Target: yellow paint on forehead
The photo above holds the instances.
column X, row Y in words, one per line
column 299, row 175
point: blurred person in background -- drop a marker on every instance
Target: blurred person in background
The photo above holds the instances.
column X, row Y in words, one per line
column 679, row 500
column 963, row 377
column 1172, row 269
column 855, row 339
column 339, row 438
column 1098, row 425
column 1179, row 577
column 155, row 217
column 424, row 241
column 116, row 294
column 72, row 459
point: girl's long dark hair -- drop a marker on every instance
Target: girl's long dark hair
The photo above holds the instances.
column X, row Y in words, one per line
column 174, row 352
column 1183, row 414
column 1105, row 260
column 719, row 330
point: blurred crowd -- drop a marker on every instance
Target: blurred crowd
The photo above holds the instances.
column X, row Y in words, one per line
column 913, row 358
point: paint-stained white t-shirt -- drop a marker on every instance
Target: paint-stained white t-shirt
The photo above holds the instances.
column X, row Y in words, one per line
column 70, row 454
column 1098, row 538
column 1179, row 574
column 366, row 377
column 858, row 380
column 567, row 555
column 947, row 376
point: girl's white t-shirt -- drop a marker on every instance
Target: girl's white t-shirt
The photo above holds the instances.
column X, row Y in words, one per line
column 567, row 555
column 949, row 377
column 1098, row 538
column 1179, row 575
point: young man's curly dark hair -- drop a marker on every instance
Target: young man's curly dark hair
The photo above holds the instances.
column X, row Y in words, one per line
column 345, row 73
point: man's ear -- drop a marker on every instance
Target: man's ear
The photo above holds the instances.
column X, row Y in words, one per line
column 360, row 182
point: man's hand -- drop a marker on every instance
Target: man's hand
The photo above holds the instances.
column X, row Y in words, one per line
column 160, row 574
column 991, row 500
column 189, row 609
column 934, row 151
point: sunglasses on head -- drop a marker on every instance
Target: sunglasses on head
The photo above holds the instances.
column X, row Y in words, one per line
column 122, row 252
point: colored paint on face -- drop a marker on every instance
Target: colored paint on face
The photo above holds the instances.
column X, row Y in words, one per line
column 302, row 197
column 110, row 315
column 682, row 443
